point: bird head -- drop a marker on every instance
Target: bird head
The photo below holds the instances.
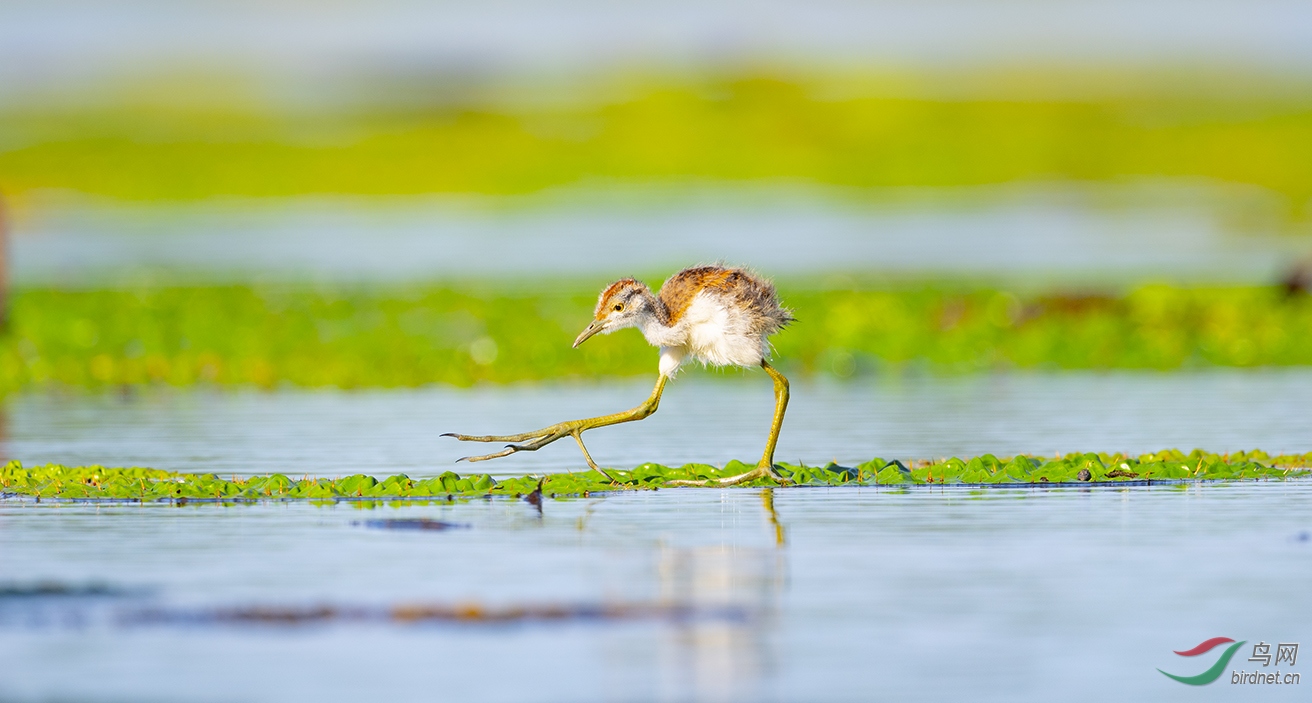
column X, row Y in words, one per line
column 622, row 304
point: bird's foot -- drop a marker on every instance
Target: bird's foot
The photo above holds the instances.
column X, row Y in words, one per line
column 764, row 471
column 540, row 439
column 532, row 441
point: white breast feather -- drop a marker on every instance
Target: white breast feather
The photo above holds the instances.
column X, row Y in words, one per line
column 718, row 334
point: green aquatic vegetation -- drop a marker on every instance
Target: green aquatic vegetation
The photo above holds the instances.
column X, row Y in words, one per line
column 354, row 337
column 855, row 132
column 141, row 484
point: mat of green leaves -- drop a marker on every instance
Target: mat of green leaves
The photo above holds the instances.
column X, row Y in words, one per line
column 407, row 336
column 142, row 484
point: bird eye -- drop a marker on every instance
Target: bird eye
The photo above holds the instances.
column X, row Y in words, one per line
column 619, row 306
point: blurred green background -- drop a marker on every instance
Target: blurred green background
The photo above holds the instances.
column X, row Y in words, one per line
column 855, row 132
column 209, row 193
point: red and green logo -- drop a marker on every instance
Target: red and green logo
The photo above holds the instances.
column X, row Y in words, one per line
column 1213, row 673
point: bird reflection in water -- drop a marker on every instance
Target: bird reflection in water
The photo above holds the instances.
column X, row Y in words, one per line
column 722, row 660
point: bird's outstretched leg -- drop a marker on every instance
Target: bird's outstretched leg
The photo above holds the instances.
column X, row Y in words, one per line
column 764, row 469
column 532, row 441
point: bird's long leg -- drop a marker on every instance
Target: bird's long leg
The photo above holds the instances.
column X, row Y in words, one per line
column 765, row 468
column 780, row 406
column 572, row 428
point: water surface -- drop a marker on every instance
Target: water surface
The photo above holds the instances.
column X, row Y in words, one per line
column 923, row 594
column 1044, row 234
column 928, row 593
column 702, row 418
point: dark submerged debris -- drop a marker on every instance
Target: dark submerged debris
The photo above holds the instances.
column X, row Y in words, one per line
column 57, row 589
column 423, row 524
column 535, row 497
column 420, row 613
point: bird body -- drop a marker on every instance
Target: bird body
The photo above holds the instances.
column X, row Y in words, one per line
column 716, row 315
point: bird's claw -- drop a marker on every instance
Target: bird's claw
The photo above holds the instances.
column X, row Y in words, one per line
column 497, row 437
column 510, row 449
column 539, row 439
column 757, row 473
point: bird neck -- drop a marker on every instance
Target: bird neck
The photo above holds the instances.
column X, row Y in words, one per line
column 655, row 323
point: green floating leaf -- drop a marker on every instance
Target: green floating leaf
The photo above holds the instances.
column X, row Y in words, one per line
column 136, row 483
column 893, row 473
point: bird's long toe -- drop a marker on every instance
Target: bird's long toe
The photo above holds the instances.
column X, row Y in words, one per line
column 773, row 473
column 540, row 439
column 758, row 473
column 484, row 457
column 497, row 437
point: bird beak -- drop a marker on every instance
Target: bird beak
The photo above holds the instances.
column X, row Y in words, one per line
column 593, row 327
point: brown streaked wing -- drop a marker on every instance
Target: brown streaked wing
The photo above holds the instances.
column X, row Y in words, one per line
column 678, row 291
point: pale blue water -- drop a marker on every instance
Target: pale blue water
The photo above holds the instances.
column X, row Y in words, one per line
column 311, row 49
column 702, row 418
column 1057, row 594
column 874, row 594
column 1059, row 236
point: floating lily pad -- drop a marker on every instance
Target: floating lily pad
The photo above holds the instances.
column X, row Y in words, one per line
column 140, row 484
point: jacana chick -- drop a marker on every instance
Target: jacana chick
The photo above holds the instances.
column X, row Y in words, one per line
column 716, row 315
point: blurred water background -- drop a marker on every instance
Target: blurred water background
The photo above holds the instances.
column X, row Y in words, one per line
column 1049, row 237
column 379, row 140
